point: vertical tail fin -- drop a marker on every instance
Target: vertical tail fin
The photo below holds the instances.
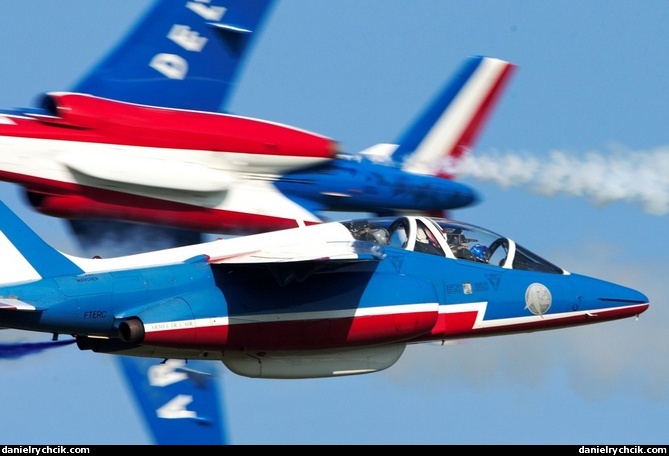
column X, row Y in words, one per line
column 452, row 123
column 180, row 54
column 179, row 401
column 24, row 255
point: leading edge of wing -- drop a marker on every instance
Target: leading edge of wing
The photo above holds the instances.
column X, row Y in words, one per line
column 180, row 54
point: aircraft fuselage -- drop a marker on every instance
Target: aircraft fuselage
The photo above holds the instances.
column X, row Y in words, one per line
column 312, row 293
column 83, row 157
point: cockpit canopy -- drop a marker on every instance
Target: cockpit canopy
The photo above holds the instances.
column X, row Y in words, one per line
column 450, row 239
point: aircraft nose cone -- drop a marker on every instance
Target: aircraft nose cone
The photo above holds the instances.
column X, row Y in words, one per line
column 630, row 302
column 612, row 301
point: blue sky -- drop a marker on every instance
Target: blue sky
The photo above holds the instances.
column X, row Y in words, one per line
column 574, row 164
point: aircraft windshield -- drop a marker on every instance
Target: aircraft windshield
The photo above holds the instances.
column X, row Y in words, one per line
column 450, row 239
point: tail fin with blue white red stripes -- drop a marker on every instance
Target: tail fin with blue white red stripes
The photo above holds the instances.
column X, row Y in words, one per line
column 453, row 121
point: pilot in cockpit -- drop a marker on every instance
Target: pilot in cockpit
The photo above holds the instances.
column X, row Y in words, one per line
column 460, row 246
column 458, row 243
column 481, row 253
column 376, row 234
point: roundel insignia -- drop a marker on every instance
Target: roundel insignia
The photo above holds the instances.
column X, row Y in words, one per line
column 538, row 299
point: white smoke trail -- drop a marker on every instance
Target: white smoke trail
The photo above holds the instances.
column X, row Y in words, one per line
column 638, row 177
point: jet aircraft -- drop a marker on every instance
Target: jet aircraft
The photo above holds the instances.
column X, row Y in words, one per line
column 326, row 300
column 83, row 156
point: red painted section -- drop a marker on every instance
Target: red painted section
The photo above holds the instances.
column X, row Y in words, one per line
column 133, row 208
column 84, row 118
column 72, row 201
column 454, row 323
column 461, row 325
column 349, row 332
column 301, row 334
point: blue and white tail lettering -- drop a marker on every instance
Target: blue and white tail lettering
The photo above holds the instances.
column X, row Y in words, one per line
column 179, row 400
column 181, row 54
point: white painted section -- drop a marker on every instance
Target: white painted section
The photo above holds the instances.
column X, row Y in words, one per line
column 15, row 304
column 446, row 132
column 14, row 268
column 292, row 316
column 331, row 240
column 226, row 181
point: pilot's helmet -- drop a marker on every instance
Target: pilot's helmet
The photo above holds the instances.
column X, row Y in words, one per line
column 480, row 252
column 380, row 235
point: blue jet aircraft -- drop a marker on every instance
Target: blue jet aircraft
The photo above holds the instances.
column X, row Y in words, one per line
column 326, row 300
